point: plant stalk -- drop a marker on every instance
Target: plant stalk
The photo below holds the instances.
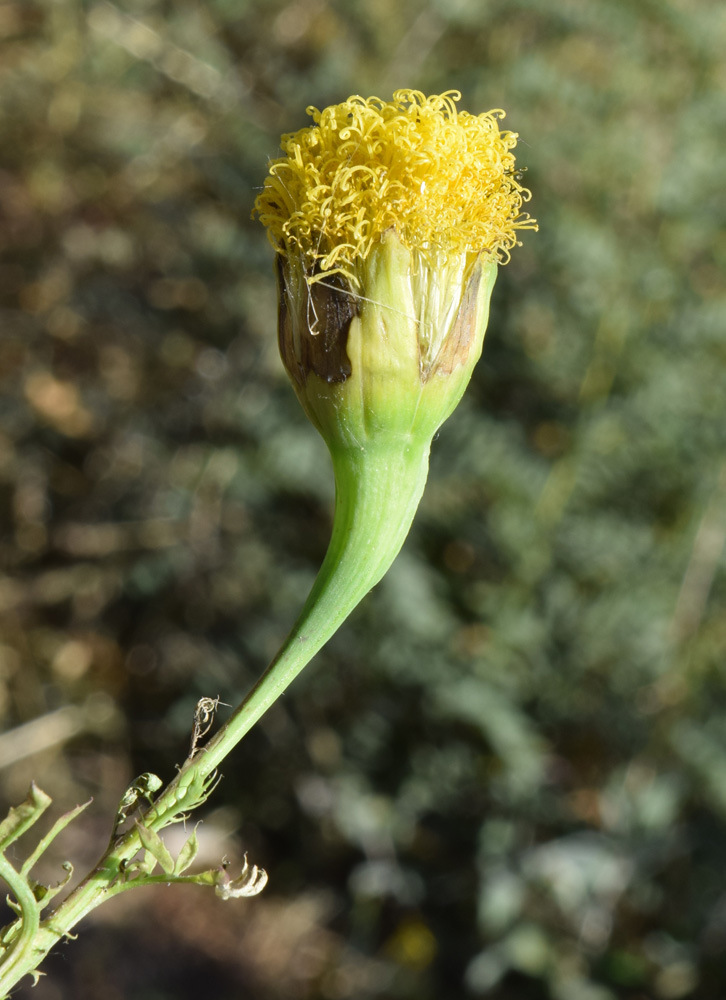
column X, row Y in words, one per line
column 378, row 490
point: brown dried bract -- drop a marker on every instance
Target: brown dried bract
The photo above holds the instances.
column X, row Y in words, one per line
column 456, row 347
column 321, row 348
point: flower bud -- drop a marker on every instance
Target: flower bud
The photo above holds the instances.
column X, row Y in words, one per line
column 389, row 220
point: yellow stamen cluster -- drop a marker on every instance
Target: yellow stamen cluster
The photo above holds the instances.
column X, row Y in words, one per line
column 442, row 179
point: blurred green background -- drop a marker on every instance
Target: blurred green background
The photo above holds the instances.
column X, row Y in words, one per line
column 506, row 776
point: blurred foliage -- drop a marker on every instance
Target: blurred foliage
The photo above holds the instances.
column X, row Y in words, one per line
column 506, row 776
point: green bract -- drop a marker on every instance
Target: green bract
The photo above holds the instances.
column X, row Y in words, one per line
column 377, row 370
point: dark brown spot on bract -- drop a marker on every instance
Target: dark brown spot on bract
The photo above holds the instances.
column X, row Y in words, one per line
column 322, row 332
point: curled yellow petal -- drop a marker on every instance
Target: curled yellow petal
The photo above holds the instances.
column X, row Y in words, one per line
column 442, row 179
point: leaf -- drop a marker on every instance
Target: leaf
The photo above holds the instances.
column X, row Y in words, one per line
column 192, row 790
column 132, row 871
column 21, row 818
column 47, row 840
column 53, row 890
column 143, row 787
column 7, row 933
column 187, row 854
column 156, row 847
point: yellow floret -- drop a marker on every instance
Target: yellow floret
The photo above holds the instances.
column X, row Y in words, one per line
column 442, row 179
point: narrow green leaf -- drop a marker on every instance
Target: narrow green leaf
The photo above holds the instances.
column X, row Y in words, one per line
column 21, row 818
column 47, row 840
column 53, row 890
column 15, row 907
column 155, row 846
column 187, row 854
column 7, row 934
column 147, row 864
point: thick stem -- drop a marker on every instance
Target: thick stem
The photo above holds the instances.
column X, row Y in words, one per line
column 377, row 493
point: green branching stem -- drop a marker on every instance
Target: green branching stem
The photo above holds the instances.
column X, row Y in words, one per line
column 29, row 921
column 377, row 492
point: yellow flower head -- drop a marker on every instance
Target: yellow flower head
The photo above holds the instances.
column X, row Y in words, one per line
column 442, row 179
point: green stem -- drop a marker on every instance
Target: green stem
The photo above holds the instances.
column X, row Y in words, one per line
column 22, row 944
column 377, row 493
column 36, row 938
